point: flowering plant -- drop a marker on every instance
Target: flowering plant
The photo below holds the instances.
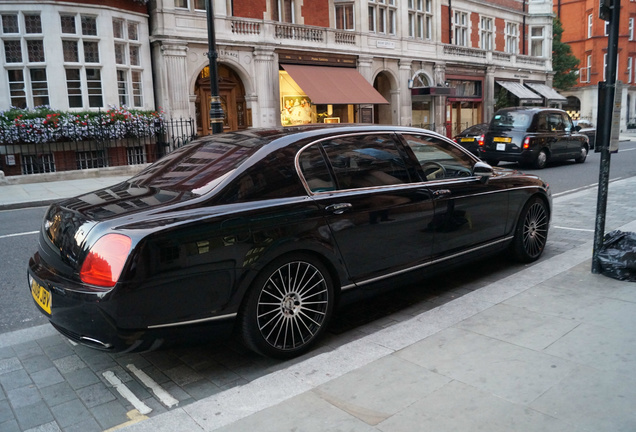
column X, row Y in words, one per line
column 42, row 124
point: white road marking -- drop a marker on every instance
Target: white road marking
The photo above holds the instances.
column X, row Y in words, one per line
column 165, row 397
column 126, row 392
column 574, row 229
column 18, row 234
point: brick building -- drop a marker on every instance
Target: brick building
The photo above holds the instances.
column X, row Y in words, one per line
column 587, row 35
column 440, row 64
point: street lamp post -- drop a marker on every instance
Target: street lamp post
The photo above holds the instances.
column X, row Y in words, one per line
column 216, row 110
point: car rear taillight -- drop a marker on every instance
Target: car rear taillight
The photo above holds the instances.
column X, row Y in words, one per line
column 526, row 143
column 480, row 141
column 105, row 260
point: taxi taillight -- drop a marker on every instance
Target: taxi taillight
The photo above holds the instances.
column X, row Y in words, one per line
column 105, row 260
column 526, row 143
column 480, row 141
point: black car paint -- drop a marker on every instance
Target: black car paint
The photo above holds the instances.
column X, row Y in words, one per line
column 469, row 137
column 193, row 258
column 558, row 145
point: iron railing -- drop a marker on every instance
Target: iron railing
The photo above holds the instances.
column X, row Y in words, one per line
column 77, row 147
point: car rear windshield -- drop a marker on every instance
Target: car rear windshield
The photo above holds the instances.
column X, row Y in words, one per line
column 199, row 166
column 511, row 120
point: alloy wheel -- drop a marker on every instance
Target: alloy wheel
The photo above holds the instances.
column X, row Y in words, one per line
column 293, row 305
column 535, row 229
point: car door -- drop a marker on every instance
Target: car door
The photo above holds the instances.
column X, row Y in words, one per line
column 469, row 212
column 377, row 216
column 573, row 140
column 559, row 141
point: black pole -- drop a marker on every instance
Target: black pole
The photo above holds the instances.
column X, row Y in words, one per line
column 604, row 122
column 216, row 109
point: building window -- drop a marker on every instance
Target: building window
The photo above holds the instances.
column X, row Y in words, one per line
column 460, row 28
column 486, row 33
column 90, row 159
column 135, row 155
column 38, row 164
column 590, row 21
column 629, row 69
column 536, row 41
column 127, row 57
column 420, row 19
column 606, row 29
column 283, row 11
column 74, row 88
column 25, row 60
column 94, row 87
column 383, row 16
column 631, row 29
column 344, row 16
column 81, row 54
column 10, row 24
column 512, row 38
column 584, row 72
column 68, row 24
column 185, row 4
column 89, row 25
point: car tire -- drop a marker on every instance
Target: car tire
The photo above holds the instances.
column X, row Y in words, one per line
column 541, row 160
column 288, row 307
column 582, row 156
column 531, row 233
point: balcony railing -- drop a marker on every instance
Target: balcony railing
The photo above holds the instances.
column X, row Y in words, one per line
column 298, row 32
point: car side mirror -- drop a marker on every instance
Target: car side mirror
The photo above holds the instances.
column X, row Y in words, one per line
column 483, row 171
column 577, row 128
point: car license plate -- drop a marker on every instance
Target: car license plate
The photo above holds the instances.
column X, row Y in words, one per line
column 501, row 147
column 41, row 295
column 502, row 139
column 467, row 139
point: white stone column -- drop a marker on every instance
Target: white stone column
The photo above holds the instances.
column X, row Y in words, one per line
column 440, row 101
column 489, row 93
column 265, row 104
column 174, row 81
column 406, row 115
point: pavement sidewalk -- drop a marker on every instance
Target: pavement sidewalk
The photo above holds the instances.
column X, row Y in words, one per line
column 548, row 348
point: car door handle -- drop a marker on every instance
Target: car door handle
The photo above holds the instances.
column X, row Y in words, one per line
column 441, row 193
column 338, row 208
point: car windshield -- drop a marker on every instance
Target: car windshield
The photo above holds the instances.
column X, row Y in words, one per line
column 511, row 120
column 200, row 166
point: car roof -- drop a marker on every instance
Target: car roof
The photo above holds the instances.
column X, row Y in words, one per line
column 531, row 109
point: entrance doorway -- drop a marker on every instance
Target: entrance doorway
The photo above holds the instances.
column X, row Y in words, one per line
column 232, row 95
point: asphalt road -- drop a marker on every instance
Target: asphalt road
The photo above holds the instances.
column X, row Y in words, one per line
column 18, row 228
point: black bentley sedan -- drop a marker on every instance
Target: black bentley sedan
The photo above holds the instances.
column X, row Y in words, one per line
column 262, row 231
column 533, row 137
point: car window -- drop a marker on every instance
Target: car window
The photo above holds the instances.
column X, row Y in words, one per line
column 362, row 161
column 542, row 123
column 272, row 177
column 438, row 158
column 315, row 170
column 567, row 122
column 511, row 120
column 555, row 122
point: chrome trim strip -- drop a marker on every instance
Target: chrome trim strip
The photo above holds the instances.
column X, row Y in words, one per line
column 386, row 276
column 347, row 287
column 198, row 321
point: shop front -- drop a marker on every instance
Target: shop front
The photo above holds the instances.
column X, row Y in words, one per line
column 465, row 107
column 324, row 89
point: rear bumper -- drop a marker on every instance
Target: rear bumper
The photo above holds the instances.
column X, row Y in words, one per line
column 525, row 156
column 88, row 318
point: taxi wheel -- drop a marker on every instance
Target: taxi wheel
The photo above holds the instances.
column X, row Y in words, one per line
column 288, row 308
column 582, row 156
column 541, row 160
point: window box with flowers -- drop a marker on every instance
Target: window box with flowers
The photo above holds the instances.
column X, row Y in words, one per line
column 45, row 140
